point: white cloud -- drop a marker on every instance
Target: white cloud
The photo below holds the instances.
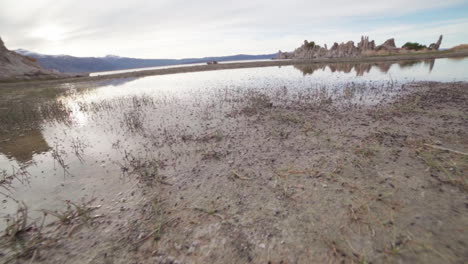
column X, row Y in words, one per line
column 176, row 28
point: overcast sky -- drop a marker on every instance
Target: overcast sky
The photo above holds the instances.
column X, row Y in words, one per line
column 180, row 29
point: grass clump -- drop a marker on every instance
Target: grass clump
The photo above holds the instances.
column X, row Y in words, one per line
column 310, row 45
column 22, row 238
column 74, row 212
column 413, row 46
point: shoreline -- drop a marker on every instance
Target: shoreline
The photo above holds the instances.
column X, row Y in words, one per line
column 242, row 65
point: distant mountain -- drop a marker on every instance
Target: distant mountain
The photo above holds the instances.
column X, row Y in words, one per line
column 65, row 63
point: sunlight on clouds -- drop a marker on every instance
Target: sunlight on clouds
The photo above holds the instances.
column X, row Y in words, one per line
column 49, row 32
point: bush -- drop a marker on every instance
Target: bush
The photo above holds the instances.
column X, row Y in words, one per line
column 414, row 46
column 311, row 45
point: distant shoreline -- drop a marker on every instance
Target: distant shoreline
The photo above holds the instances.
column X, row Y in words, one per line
column 241, row 65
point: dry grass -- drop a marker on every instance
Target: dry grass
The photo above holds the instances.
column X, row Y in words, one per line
column 460, row 47
column 24, row 238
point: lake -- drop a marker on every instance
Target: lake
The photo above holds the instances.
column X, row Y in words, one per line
column 83, row 141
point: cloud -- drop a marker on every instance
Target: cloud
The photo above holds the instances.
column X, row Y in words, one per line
column 176, row 28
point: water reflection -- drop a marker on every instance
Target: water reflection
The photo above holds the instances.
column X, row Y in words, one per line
column 360, row 69
column 23, row 112
column 429, row 63
column 22, row 147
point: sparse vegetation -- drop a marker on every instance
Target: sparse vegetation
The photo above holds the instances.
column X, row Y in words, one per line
column 22, row 238
column 25, row 239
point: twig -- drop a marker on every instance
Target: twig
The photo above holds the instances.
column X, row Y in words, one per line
column 164, row 182
column 446, row 149
column 213, row 213
column 33, row 257
column 241, row 177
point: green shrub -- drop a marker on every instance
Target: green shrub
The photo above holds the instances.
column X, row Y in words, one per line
column 311, row 45
column 413, row 46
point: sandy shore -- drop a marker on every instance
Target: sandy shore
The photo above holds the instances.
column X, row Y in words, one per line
column 240, row 65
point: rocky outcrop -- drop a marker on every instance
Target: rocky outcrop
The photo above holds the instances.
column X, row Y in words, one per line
column 17, row 67
column 365, row 44
column 310, row 50
column 436, row 46
column 387, row 45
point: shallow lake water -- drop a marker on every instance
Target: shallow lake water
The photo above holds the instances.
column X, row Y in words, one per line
column 80, row 143
column 163, row 67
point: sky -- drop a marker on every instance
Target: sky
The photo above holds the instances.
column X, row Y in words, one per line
column 183, row 29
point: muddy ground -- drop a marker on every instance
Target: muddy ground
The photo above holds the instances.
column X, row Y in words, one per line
column 268, row 182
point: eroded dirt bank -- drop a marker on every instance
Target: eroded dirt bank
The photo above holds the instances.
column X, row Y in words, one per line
column 260, row 179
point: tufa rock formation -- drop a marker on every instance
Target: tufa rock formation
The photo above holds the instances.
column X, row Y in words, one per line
column 17, row 67
column 365, row 44
column 309, row 50
column 387, row 45
column 436, row 46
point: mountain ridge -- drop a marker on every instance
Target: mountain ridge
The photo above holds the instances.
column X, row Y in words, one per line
column 71, row 64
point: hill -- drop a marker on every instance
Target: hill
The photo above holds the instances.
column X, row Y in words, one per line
column 65, row 63
column 14, row 66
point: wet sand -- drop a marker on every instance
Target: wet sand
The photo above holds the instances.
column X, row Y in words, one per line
column 268, row 177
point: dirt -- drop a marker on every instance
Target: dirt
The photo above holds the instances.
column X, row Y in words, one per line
column 257, row 181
